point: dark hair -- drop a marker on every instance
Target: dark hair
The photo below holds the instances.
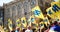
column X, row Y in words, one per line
column 24, row 30
column 40, row 19
column 55, row 23
column 18, row 29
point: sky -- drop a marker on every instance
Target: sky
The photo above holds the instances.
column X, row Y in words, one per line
column 4, row 1
column 7, row 1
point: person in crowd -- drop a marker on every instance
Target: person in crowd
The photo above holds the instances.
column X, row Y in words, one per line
column 24, row 30
column 28, row 29
column 58, row 27
column 13, row 28
column 17, row 29
column 33, row 30
column 55, row 27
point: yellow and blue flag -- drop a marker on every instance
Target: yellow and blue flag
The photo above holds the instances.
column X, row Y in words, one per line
column 50, row 13
column 10, row 24
column 56, row 8
column 37, row 12
column 24, row 22
column 18, row 23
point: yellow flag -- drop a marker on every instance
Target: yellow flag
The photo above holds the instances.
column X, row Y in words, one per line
column 56, row 8
column 32, row 19
column 10, row 24
column 57, row 15
column 37, row 12
column 50, row 13
column 23, row 19
column 46, row 21
column 18, row 24
column 41, row 24
column 55, row 3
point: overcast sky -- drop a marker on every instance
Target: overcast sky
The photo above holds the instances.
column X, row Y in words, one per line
column 4, row 1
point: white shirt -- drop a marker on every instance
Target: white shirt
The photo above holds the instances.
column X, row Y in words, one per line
column 28, row 30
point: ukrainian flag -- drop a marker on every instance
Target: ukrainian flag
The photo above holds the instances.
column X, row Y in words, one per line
column 18, row 23
column 37, row 12
column 10, row 24
column 24, row 22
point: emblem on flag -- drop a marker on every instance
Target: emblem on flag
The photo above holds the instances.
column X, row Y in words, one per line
column 49, row 12
column 36, row 12
column 32, row 19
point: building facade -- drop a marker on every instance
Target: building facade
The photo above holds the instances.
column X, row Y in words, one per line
column 22, row 8
column 18, row 9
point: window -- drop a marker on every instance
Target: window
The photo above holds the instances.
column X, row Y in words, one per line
column 19, row 9
column 25, row 4
column 25, row 13
column 33, row 3
column 13, row 8
column 8, row 9
column 8, row 12
column 25, row 7
column 19, row 6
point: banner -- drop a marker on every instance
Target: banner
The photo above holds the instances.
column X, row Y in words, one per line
column 37, row 12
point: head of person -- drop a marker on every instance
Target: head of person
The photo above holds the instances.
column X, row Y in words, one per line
column 55, row 23
column 29, row 27
column 59, row 23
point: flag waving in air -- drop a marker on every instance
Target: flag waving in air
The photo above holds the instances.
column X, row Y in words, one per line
column 23, row 19
column 32, row 19
column 10, row 24
column 56, row 8
column 50, row 13
column 18, row 22
column 37, row 12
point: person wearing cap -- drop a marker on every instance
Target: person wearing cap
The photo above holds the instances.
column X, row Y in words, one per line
column 28, row 29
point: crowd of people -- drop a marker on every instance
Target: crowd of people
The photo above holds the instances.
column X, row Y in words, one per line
column 53, row 27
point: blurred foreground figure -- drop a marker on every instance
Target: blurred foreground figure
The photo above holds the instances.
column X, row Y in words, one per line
column 17, row 29
column 55, row 27
column 29, row 29
column 1, row 29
